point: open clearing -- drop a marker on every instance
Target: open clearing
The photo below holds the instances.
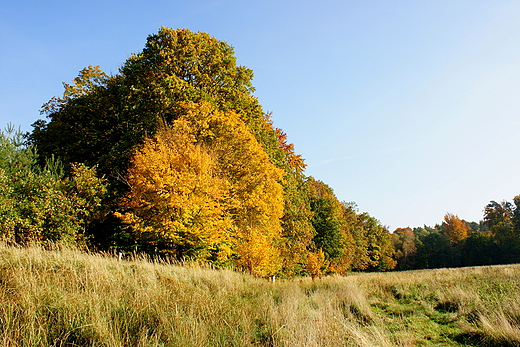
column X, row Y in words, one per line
column 69, row 298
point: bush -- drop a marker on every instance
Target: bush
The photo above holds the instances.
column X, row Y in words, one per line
column 42, row 203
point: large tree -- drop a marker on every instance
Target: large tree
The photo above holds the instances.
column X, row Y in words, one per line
column 207, row 186
column 502, row 219
column 221, row 147
column 176, row 199
column 102, row 120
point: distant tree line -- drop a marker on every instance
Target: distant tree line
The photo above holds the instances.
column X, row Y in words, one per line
column 173, row 155
column 455, row 242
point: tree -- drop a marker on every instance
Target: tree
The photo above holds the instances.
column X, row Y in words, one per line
column 191, row 82
column 316, row 263
column 502, row 221
column 498, row 216
column 349, row 240
column 88, row 80
column 180, row 65
column 516, row 213
column 207, row 183
column 39, row 204
column 480, row 249
column 456, row 230
column 102, row 120
column 380, row 250
column 298, row 231
column 255, row 200
column 177, row 197
column 327, row 220
column 433, row 248
column 403, row 240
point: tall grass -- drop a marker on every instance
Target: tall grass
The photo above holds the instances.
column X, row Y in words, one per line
column 70, row 298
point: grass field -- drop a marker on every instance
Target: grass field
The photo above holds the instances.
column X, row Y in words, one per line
column 70, row 298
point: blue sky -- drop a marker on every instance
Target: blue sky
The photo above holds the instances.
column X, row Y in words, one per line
column 409, row 108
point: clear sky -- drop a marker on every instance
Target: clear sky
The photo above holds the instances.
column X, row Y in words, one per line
column 411, row 109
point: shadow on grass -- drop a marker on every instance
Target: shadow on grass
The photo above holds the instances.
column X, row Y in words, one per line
column 480, row 339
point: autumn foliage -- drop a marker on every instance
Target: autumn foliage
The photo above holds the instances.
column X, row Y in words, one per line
column 195, row 169
column 205, row 185
column 175, row 156
column 455, row 228
column 176, row 196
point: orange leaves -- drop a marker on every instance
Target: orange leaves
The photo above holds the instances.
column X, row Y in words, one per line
column 456, row 229
column 295, row 161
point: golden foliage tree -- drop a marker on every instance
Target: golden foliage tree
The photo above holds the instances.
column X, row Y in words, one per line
column 456, row 229
column 206, row 184
column 255, row 197
column 177, row 196
column 316, row 263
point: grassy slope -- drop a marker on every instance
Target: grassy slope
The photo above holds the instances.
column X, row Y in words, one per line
column 69, row 298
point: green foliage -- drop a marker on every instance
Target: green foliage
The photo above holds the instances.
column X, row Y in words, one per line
column 102, row 120
column 327, row 220
column 38, row 203
column 349, row 239
column 378, row 243
column 178, row 66
column 502, row 219
column 88, row 80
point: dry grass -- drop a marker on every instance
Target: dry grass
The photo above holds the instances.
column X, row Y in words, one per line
column 70, row 298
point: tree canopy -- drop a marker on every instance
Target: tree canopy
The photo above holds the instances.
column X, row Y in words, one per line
column 195, row 168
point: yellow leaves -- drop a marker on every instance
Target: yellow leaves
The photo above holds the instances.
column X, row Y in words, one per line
column 316, row 263
column 175, row 195
column 255, row 196
column 205, row 182
column 259, row 255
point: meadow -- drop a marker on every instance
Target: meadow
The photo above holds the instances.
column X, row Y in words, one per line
column 67, row 297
